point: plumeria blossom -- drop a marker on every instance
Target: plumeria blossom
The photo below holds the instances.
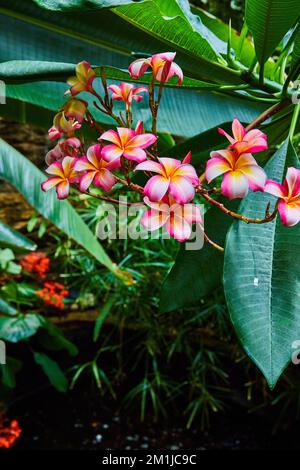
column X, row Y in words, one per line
column 83, row 81
column 75, row 109
column 243, row 141
column 62, row 125
column 241, row 172
column 126, row 143
column 176, row 177
column 65, row 147
column 97, row 170
column 289, row 195
column 63, row 174
column 127, row 92
column 176, row 218
column 162, row 66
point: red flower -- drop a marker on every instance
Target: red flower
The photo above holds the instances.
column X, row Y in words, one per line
column 36, row 262
column 53, row 294
column 9, row 434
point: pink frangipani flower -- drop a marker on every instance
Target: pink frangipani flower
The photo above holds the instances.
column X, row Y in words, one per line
column 176, row 218
column 163, row 67
column 62, row 125
column 289, row 195
column 83, row 81
column 241, row 172
column 127, row 92
column 63, row 174
column 96, row 169
column 68, row 147
column 243, row 141
column 176, row 177
column 126, row 143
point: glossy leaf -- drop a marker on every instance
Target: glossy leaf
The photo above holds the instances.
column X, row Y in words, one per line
column 52, row 370
column 191, row 277
column 268, row 21
column 27, row 178
column 12, row 238
column 6, row 308
column 261, row 278
column 19, row 328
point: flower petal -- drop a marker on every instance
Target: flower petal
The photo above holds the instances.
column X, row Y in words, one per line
column 111, row 152
column 126, row 135
column 142, row 140
column 83, row 164
column 104, row 179
column 62, row 190
column 135, row 154
column 189, row 172
column 256, row 177
column 293, row 181
column 86, row 180
column 156, row 188
column 216, row 167
column 274, row 188
column 50, row 183
column 192, row 213
column 138, row 68
column 169, row 164
column 238, row 130
column 111, row 136
column 178, row 228
column 181, row 189
column 149, row 165
column 153, row 219
column 234, row 185
column 55, row 169
column 68, row 165
column 289, row 213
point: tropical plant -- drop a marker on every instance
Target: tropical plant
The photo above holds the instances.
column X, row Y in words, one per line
column 224, row 76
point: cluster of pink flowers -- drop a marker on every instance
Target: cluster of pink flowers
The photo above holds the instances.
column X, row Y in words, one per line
column 172, row 183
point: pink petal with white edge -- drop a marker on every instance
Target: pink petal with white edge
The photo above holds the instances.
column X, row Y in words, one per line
column 189, row 172
column 222, row 132
column 50, row 183
column 112, row 165
column 83, row 164
column 175, row 70
column 86, row 180
column 156, row 188
column 256, row 177
column 289, row 213
column 227, row 154
column 178, row 228
column 111, row 152
column 160, row 206
column 149, row 165
column 238, row 130
column 181, row 189
column 110, row 136
column 216, row 167
column 192, row 213
column 169, row 56
column 138, row 68
column 274, row 188
column 293, row 181
column 104, row 179
column 62, row 190
column 234, row 185
column 55, row 169
column 245, row 159
column 142, row 140
column 153, row 220
column 94, row 154
column 135, row 154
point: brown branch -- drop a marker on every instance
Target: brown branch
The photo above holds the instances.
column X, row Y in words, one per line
column 276, row 108
column 112, row 200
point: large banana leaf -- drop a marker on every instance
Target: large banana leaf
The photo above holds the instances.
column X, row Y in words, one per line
column 268, row 21
column 261, row 278
column 27, row 178
column 12, row 238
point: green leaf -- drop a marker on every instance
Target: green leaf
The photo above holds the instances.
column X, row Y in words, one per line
column 9, row 371
column 27, row 178
column 52, row 338
column 12, row 238
column 19, row 328
column 296, row 48
column 268, row 21
column 52, row 370
column 104, row 312
column 261, row 278
column 192, row 277
column 6, row 308
column 63, row 5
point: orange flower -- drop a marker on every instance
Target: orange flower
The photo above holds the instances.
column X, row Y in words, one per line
column 9, row 434
column 36, row 262
column 53, row 293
